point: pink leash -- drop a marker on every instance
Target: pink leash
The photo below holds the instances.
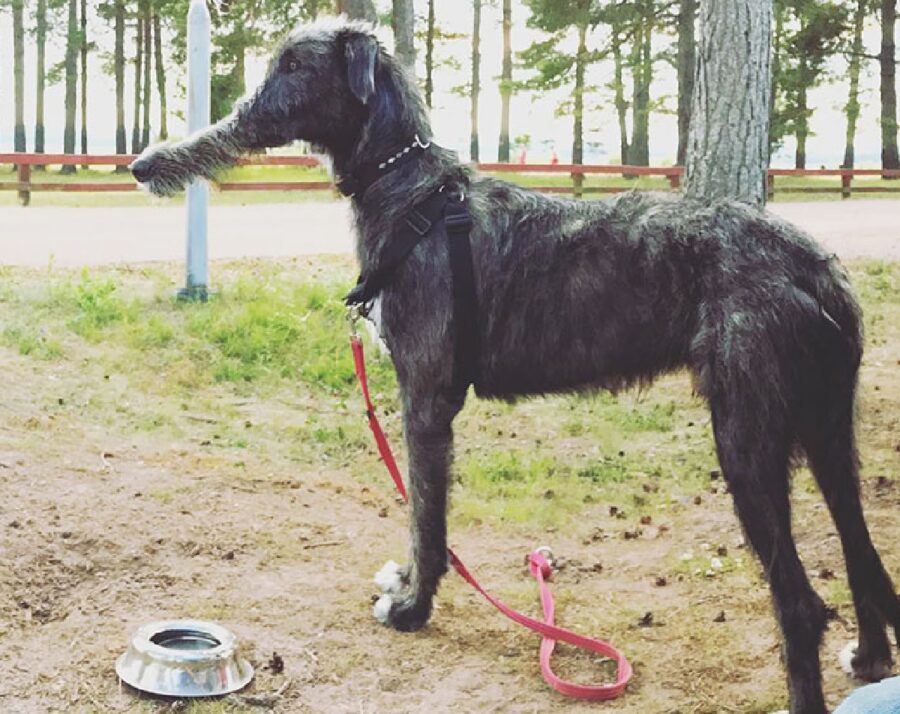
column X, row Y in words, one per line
column 537, row 564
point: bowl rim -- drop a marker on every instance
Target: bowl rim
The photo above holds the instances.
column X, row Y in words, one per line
column 142, row 642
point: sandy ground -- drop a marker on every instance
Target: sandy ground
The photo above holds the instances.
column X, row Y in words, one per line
column 96, row 236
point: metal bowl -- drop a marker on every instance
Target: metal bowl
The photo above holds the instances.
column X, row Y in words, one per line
column 184, row 658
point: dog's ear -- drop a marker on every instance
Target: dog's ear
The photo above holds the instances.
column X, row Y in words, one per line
column 361, row 50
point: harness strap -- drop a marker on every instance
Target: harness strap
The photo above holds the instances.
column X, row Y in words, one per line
column 538, row 565
column 458, row 223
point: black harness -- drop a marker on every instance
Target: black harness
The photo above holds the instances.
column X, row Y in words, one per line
column 440, row 209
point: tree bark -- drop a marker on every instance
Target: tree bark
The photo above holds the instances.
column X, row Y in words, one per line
column 621, row 107
column 18, row 11
column 728, row 149
column 404, row 21
column 72, row 40
column 686, row 60
column 476, row 79
column 889, row 156
column 429, row 56
column 84, row 79
column 642, row 71
column 578, row 123
column 148, row 84
column 160, row 78
column 357, row 9
column 41, row 38
column 119, row 68
column 138, row 64
column 802, row 131
column 505, row 83
column 852, row 107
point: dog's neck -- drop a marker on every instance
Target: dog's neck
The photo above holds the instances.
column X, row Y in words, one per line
column 356, row 181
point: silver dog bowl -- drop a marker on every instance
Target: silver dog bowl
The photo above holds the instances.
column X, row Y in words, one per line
column 184, row 658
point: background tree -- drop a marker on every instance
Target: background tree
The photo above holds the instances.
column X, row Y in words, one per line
column 73, row 39
column 889, row 156
column 727, row 154
column 855, row 53
column 475, row 89
column 554, row 68
column 147, row 88
column 41, row 76
column 137, row 61
column 687, row 52
column 506, row 86
column 358, row 9
column 18, row 12
column 403, row 20
column 83, row 51
column 809, row 32
column 160, row 76
column 429, row 55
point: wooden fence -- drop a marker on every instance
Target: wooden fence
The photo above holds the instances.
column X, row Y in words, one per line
column 25, row 183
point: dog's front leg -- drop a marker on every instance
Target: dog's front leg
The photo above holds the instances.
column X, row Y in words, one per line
column 406, row 604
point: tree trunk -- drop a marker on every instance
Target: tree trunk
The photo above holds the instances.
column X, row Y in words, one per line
column 621, row 106
column 802, row 131
column 687, row 53
column 639, row 154
column 18, row 11
column 84, row 78
column 160, row 78
column 404, row 21
column 357, row 9
column 852, row 107
column 148, row 84
column 72, row 38
column 505, row 83
column 429, row 56
column 119, row 66
column 728, row 149
column 41, row 78
column 138, row 63
column 476, row 79
column 578, row 124
column 889, row 156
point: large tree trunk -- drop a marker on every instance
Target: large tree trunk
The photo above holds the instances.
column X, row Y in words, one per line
column 41, row 78
column 505, row 83
column 476, row 79
column 160, row 78
column 358, row 9
column 84, row 78
column 728, row 148
column 404, row 21
column 429, row 56
column 138, row 64
column 618, row 83
column 72, row 42
column 802, row 130
column 18, row 11
column 687, row 53
column 889, row 156
column 148, row 84
column 852, row 107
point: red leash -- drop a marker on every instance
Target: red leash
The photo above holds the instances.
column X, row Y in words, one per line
column 537, row 564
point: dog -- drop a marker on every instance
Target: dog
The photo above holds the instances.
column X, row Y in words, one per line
column 572, row 296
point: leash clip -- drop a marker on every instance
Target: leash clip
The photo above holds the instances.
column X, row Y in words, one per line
column 354, row 315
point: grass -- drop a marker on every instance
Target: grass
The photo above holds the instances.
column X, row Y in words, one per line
column 787, row 187
column 275, row 335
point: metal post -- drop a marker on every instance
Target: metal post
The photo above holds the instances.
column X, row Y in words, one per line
column 198, row 91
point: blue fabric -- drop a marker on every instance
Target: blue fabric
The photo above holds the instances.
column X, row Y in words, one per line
column 880, row 698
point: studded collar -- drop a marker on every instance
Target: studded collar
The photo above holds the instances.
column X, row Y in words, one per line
column 357, row 182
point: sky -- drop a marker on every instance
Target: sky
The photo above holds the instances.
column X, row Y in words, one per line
column 535, row 115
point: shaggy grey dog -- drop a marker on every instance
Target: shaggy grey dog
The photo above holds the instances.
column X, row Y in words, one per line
column 578, row 296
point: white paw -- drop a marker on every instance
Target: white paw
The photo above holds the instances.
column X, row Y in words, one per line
column 389, row 578
column 845, row 658
column 382, row 608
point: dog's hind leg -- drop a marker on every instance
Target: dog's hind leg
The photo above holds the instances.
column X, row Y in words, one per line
column 828, row 439
column 429, row 438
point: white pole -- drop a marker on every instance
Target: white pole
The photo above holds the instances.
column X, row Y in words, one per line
column 198, row 91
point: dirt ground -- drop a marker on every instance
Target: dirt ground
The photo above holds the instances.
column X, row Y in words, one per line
column 104, row 528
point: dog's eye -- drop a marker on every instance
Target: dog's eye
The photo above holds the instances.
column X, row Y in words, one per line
column 292, row 66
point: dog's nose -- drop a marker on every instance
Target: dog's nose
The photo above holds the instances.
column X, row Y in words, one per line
column 142, row 170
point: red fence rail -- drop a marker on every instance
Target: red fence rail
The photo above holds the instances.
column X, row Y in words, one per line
column 25, row 184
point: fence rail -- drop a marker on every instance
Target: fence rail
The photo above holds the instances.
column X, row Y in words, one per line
column 25, row 185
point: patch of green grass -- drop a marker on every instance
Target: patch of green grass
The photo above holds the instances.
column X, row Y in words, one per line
column 30, row 341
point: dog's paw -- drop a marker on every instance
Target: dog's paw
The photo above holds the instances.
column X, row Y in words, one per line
column 392, row 578
column 864, row 666
column 405, row 615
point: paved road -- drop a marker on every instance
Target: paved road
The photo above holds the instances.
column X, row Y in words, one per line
column 97, row 236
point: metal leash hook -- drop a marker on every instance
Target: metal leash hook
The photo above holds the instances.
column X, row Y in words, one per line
column 354, row 315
